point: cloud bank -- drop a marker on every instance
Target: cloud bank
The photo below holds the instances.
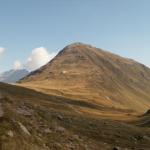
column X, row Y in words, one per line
column 39, row 57
column 2, row 49
column 17, row 65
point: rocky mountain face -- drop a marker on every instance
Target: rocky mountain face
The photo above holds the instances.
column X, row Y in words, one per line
column 85, row 72
column 13, row 76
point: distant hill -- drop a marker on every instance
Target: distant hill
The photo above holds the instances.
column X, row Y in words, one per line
column 13, row 76
column 89, row 73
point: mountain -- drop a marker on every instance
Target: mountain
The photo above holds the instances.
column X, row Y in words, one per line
column 13, row 76
column 92, row 74
column 30, row 120
column 84, row 99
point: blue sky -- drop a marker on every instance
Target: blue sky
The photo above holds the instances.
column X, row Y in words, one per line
column 119, row 26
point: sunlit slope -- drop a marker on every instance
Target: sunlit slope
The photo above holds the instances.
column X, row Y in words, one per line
column 89, row 73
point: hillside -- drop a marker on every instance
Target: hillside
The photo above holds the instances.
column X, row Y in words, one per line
column 13, row 76
column 91, row 74
column 30, row 120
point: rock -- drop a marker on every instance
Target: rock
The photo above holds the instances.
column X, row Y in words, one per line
column 147, row 112
column 133, row 139
column 139, row 137
column 60, row 117
column 24, row 129
column 47, row 131
column 108, row 98
column 116, row 148
column 10, row 133
column 146, row 138
column 23, row 110
column 60, row 129
column 64, row 72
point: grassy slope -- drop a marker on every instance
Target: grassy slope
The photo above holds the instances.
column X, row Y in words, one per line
column 88, row 73
column 57, row 123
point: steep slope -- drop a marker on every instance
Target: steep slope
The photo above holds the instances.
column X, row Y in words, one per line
column 86, row 72
column 30, row 120
column 13, row 76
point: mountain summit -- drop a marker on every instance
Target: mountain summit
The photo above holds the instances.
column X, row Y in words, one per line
column 86, row 72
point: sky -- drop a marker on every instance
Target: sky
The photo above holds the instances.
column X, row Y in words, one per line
column 33, row 31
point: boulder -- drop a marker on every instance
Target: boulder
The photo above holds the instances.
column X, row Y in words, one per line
column 116, row 148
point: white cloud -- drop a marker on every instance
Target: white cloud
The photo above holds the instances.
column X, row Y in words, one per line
column 17, row 65
column 2, row 50
column 39, row 57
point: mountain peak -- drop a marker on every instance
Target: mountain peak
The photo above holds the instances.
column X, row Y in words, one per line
column 80, row 68
column 78, row 46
